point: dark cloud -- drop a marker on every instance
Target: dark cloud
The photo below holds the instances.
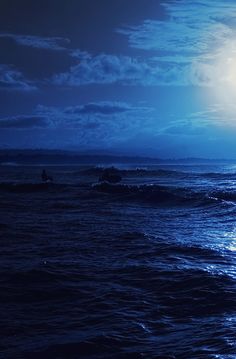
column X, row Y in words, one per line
column 23, row 122
column 38, row 42
column 12, row 79
column 103, row 108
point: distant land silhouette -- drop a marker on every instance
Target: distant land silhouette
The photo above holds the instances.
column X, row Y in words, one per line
column 54, row 157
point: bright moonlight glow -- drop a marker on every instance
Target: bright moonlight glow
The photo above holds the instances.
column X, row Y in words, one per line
column 221, row 73
column 230, row 71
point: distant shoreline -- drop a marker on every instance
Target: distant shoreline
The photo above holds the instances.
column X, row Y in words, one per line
column 59, row 157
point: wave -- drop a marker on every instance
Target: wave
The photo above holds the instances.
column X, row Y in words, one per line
column 224, row 195
column 144, row 172
column 218, row 175
column 137, row 172
column 127, row 302
column 155, row 194
column 152, row 193
column 148, row 193
column 28, row 187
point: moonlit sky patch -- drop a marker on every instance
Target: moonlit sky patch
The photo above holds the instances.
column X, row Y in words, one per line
column 142, row 77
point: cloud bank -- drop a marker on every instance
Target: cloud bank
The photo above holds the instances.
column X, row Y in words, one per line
column 192, row 27
column 194, row 41
column 105, row 69
column 187, row 48
column 88, row 125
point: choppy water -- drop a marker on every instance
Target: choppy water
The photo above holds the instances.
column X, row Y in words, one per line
column 144, row 269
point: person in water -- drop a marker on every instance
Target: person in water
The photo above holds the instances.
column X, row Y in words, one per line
column 45, row 177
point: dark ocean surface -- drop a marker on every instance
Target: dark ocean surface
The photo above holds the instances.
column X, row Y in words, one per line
column 142, row 269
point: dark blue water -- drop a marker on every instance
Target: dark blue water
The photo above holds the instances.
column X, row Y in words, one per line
column 143, row 269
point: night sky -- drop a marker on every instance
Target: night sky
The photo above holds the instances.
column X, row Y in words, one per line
column 140, row 77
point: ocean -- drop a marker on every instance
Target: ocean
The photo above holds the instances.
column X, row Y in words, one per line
column 141, row 269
